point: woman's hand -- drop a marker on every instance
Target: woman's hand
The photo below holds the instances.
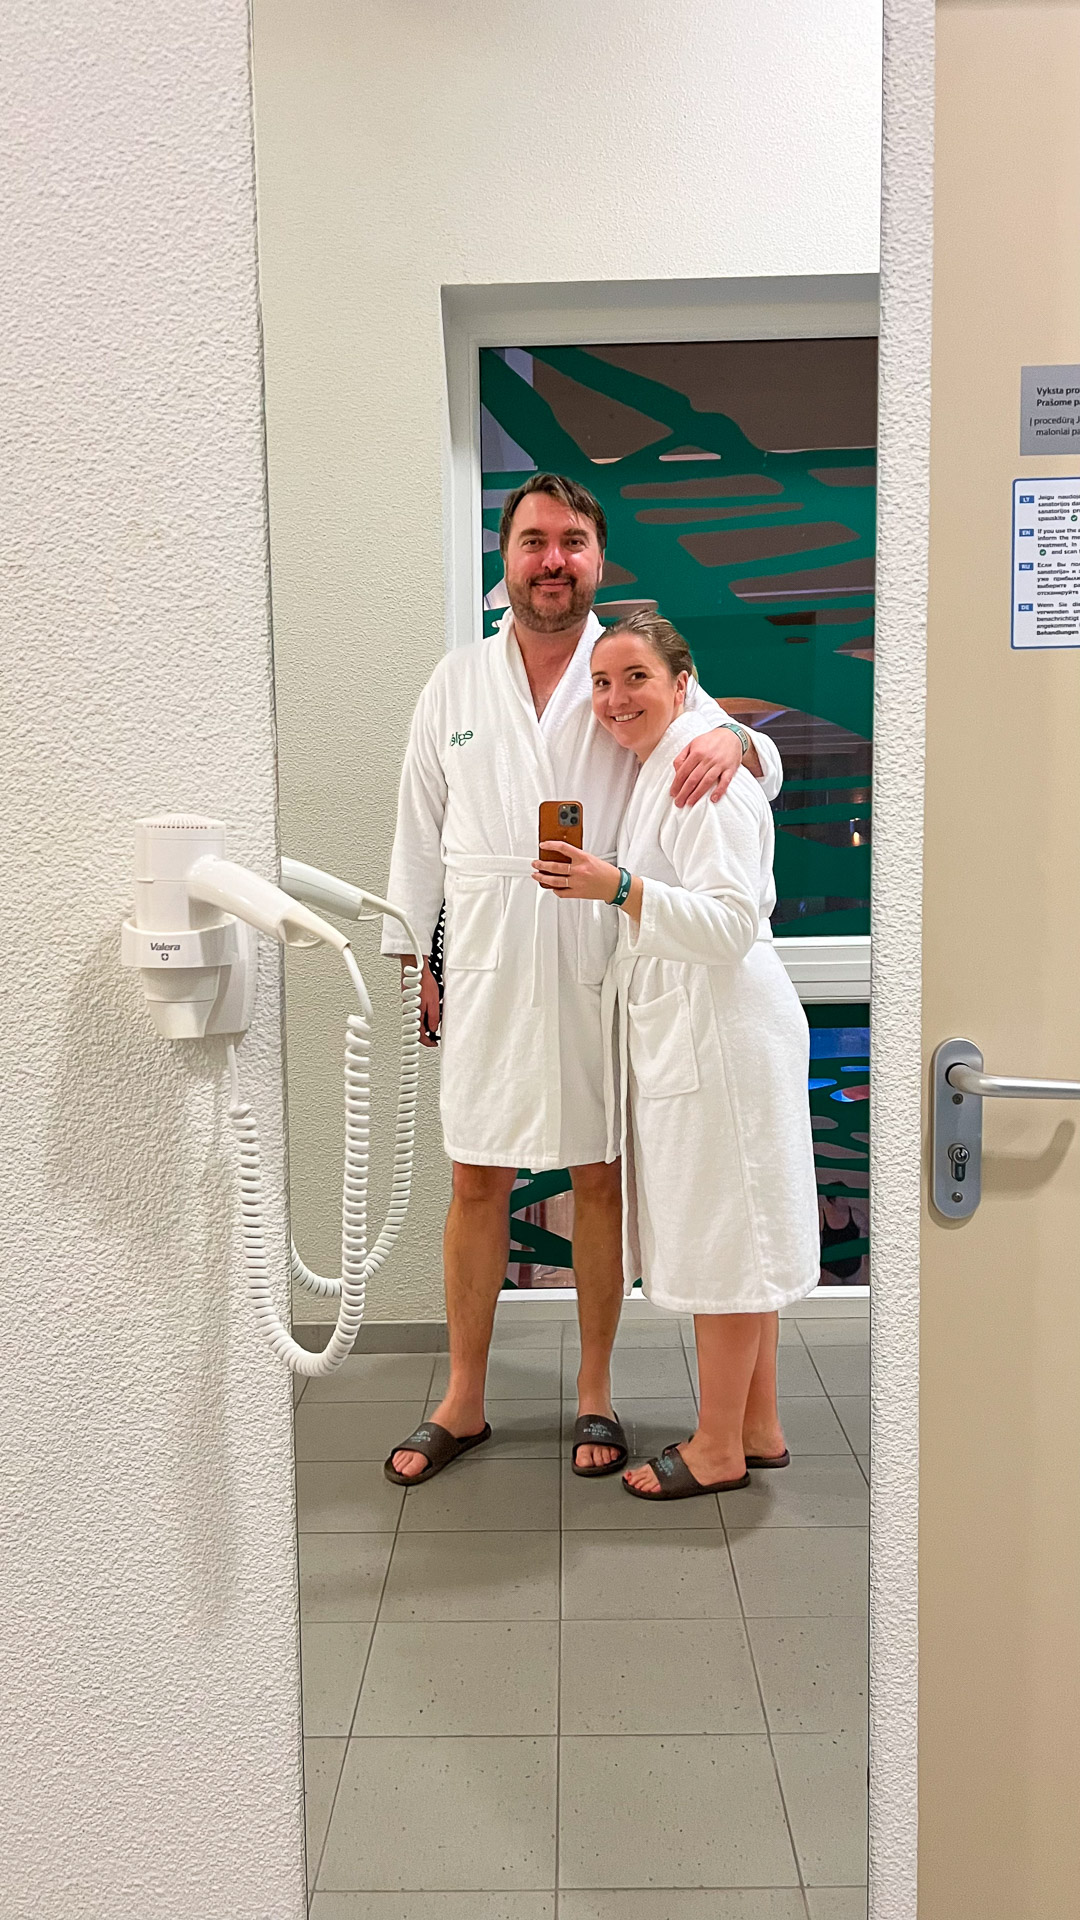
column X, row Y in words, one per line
column 573, row 874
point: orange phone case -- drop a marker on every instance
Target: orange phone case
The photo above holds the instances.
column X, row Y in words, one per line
column 552, row 828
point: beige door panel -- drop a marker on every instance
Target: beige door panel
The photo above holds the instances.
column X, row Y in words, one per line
column 1000, row 1472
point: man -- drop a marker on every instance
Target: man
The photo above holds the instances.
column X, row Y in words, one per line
column 500, row 727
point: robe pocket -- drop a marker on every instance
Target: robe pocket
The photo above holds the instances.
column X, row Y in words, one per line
column 662, row 1051
column 597, row 930
column 474, row 918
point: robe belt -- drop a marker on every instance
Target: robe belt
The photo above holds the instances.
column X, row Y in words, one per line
column 514, row 866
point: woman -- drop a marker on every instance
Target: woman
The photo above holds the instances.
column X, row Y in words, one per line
column 707, row 1094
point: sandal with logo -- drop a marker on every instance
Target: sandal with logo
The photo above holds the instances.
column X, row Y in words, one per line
column 439, row 1447
column 678, row 1483
column 596, row 1430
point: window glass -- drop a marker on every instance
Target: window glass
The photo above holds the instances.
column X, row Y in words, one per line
column 738, row 478
column 739, row 482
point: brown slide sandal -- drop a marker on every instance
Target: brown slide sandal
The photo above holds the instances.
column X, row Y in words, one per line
column 678, row 1483
column 596, row 1430
column 439, row 1447
column 759, row 1460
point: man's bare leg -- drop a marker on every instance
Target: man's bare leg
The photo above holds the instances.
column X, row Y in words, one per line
column 598, row 1271
column 476, row 1242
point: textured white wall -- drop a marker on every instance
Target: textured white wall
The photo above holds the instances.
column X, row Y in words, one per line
column 895, row 1051
column 403, row 147
column 150, row 1764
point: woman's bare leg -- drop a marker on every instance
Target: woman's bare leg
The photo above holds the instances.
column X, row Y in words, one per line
column 727, row 1345
column 762, row 1433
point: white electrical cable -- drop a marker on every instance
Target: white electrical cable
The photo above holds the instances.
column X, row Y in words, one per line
column 321, row 1284
column 357, row 1264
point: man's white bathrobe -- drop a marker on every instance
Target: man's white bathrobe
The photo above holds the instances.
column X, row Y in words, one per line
column 706, row 1088
column 522, row 1080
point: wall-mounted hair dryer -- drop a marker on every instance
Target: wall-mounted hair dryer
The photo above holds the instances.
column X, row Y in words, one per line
column 193, row 940
column 190, row 935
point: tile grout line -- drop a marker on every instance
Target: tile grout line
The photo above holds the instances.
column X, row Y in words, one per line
column 764, row 1709
column 694, row 1393
column 843, row 1429
column 564, row 1389
column 706, row 1620
column 835, row 1411
column 367, row 1659
column 558, row 1657
column 349, row 1893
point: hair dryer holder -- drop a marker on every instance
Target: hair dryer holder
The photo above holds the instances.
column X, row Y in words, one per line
column 198, row 981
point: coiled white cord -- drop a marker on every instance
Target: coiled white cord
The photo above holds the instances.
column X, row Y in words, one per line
column 357, row 1264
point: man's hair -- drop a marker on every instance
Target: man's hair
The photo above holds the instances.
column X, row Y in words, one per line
column 576, row 499
column 659, row 634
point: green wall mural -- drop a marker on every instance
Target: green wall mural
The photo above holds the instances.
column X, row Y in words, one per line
column 739, row 483
column 839, row 1115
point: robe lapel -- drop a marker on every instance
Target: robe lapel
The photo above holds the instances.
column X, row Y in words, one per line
column 575, row 688
column 526, row 776
column 655, row 777
column 520, row 700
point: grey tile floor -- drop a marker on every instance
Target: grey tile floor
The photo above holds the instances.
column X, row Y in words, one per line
column 529, row 1697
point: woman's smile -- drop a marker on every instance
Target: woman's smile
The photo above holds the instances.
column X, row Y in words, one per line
column 633, row 691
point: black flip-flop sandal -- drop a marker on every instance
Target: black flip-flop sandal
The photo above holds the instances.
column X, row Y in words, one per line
column 678, row 1483
column 596, row 1430
column 439, row 1447
column 759, row 1460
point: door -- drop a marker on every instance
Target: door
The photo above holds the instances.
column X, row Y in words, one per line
column 1000, row 1471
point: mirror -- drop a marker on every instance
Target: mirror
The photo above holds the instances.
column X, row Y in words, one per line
column 529, row 1694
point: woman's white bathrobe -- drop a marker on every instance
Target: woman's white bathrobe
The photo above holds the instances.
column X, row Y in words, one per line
column 522, row 1080
column 706, row 1089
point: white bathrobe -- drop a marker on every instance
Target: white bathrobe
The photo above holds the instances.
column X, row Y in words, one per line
column 522, row 1045
column 707, row 1069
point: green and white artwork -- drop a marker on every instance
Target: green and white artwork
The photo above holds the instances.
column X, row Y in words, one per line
column 839, row 1115
column 738, row 478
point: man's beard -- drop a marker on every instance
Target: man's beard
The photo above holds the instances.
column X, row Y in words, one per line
column 541, row 619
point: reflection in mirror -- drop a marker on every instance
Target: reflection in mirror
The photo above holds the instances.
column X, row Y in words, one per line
column 537, row 1595
column 582, row 1521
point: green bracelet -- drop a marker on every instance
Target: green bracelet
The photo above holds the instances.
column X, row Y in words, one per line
column 626, row 881
column 740, row 734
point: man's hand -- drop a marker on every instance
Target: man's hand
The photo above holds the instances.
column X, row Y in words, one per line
column 708, row 766
column 430, row 1011
column 575, row 875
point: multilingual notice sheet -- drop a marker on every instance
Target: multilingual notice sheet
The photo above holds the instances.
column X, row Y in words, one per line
column 1046, row 563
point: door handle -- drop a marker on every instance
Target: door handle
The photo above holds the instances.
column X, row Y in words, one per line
column 1003, row 1086
column 959, row 1087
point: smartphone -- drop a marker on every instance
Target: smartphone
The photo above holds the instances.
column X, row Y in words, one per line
column 560, row 820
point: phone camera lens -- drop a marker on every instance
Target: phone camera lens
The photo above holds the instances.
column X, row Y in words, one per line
column 565, row 816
